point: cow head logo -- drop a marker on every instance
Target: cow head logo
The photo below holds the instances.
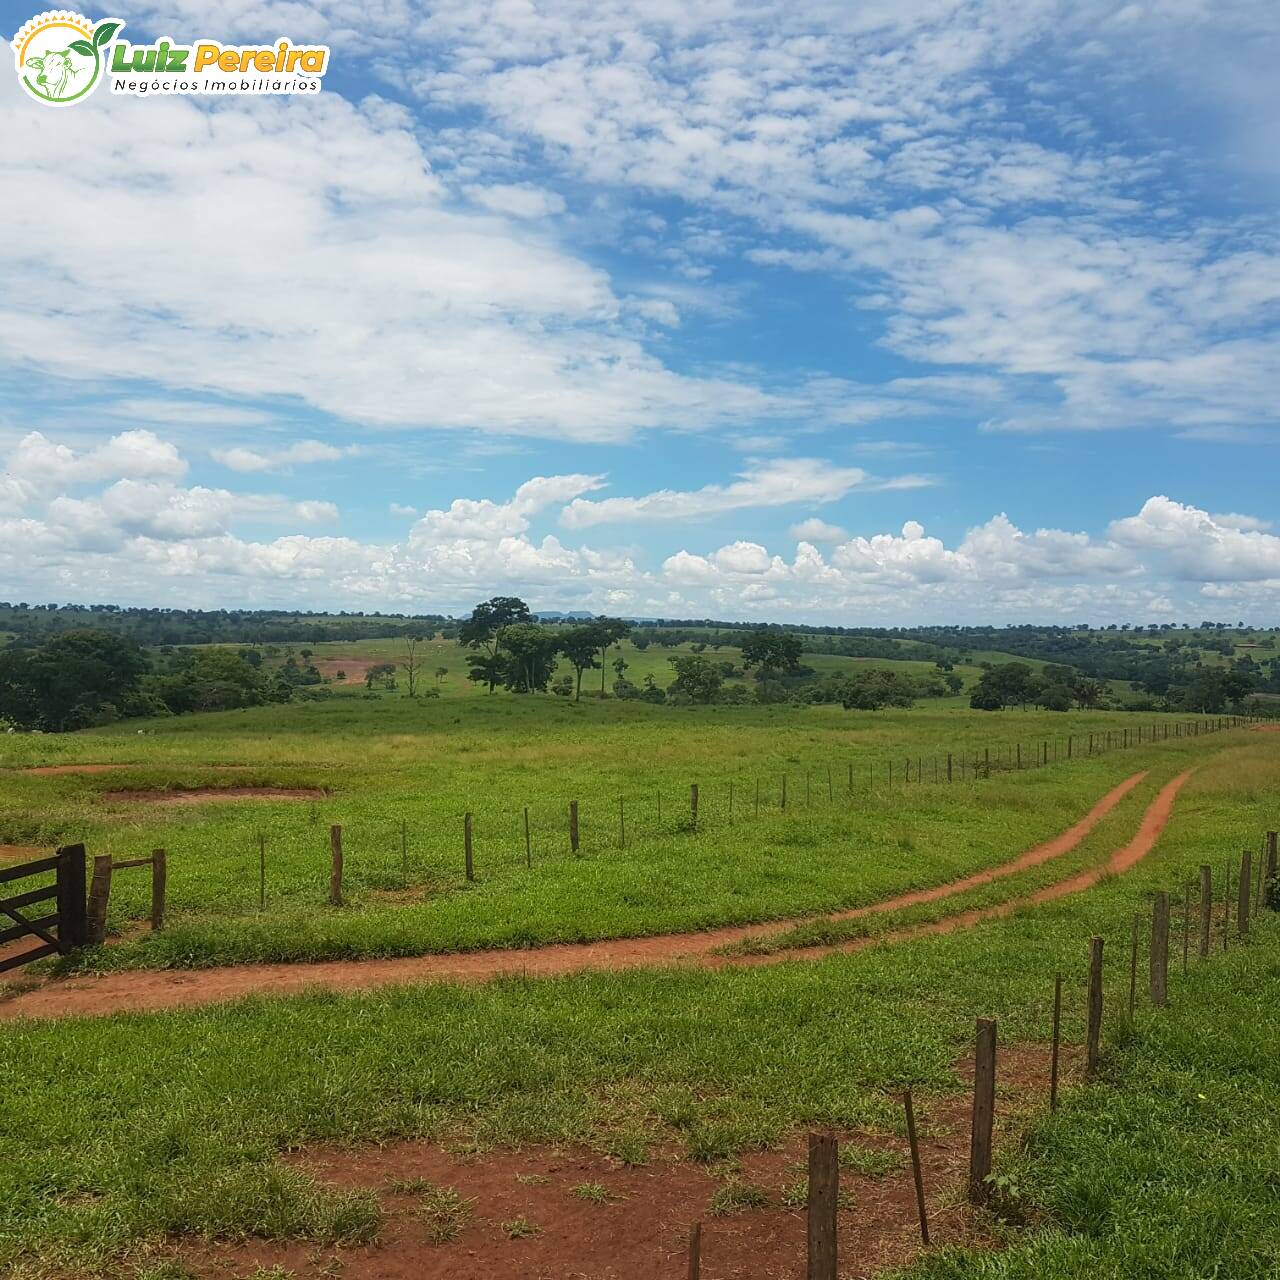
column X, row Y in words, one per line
column 61, row 56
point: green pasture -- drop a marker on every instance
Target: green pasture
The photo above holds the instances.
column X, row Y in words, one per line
column 121, row 1134
column 399, row 776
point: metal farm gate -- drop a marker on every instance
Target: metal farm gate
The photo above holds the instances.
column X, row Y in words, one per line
column 24, row 915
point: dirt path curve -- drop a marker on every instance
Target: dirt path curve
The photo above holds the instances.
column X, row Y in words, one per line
column 149, row 989
column 1153, row 823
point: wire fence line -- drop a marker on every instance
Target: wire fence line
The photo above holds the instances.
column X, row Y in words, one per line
column 476, row 841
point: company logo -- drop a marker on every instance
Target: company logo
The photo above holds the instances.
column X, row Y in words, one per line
column 61, row 57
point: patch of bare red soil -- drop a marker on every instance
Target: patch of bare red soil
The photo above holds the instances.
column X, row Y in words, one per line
column 22, row 852
column 640, row 1229
column 1266, row 728
column 353, row 669
column 52, row 770
column 201, row 795
column 170, row 988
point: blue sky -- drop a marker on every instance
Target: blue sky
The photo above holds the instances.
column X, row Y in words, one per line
column 888, row 312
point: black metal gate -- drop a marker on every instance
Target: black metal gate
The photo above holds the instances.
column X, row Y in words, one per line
column 56, row 931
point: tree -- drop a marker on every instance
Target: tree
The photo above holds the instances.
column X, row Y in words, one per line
column 411, row 663
column 485, row 629
column 381, row 674
column 76, row 679
column 1001, row 685
column 874, row 689
column 529, row 656
column 441, row 672
column 772, row 651
column 697, row 678
column 580, row 645
column 610, row 631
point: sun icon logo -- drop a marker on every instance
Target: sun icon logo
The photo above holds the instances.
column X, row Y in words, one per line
column 60, row 55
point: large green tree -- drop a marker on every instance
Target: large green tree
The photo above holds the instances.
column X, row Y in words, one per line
column 77, row 679
column 484, row 632
column 772, row 651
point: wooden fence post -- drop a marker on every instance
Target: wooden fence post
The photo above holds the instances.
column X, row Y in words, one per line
column 1160, row 950
column 99, row 897
column 1093, row 1048
column 695, row 1251
column 573, row 826
column 73, row 918
column 1244, row 892
column 984, row 1110
column 1057, row 1041
column 159, row 886
column 1226, row 907
column 1270, row 875
column 1186, row 925
column 1206, row 908
column 1133, row 966
column 335, row 866
column 824, row 1196
column 467, row 850
column 916, row 1173
column 949, row 773
column 693, row 804
column 784, row 791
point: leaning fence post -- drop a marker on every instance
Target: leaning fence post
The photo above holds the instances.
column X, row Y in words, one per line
column 73, row 918
column 824, row 1195
column 159, row 884
column 573, row 826
column 915, row 1166
column 1206, row 908
column 1244, row 891
column 1160, row 950
column 1093, row 1049
column 984, row 1110
column 99, row 896
column 467, row 850
column 335, row 865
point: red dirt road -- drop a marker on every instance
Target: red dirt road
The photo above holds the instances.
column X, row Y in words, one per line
column 138, row 990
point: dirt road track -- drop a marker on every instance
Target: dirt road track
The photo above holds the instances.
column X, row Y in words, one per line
column 141, row 990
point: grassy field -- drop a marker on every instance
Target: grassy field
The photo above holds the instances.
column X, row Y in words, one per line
column 176, row 1121
column 399, row 775
column 653, row 660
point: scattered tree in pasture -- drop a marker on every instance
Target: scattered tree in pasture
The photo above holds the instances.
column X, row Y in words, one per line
column 528, row 654
column 381, row 675
column 772, row 652
column 697, row 678
column 411, row 663
column 485, row 629
column 580, row 645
